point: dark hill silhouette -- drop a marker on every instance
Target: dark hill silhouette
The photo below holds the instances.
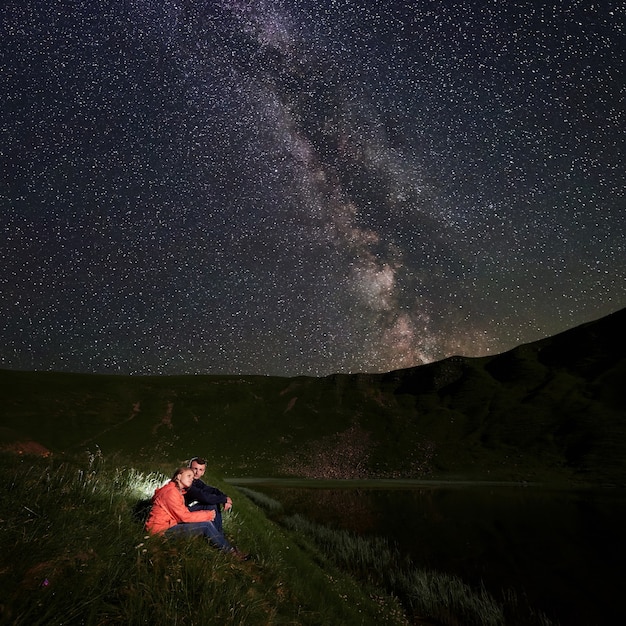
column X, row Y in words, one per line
column 550, row 410
column 561, row 400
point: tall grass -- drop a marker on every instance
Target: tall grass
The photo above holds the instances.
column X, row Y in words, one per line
column 262, row 500
column 426, row 594
column 73, row 551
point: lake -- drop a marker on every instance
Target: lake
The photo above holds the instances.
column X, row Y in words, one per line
column 563, row 548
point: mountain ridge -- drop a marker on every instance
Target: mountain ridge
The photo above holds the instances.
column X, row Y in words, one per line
column 550, row 410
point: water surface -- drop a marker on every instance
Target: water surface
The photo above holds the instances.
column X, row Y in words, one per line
column 562, row 548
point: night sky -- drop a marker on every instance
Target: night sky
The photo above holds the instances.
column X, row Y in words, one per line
column 305, row 186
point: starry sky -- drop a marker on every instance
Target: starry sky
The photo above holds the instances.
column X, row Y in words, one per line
column 304, row 187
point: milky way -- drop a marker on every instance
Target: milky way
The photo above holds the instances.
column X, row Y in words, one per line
column 305, row 187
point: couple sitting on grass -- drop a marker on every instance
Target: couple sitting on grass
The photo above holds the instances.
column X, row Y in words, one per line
column 186, row 506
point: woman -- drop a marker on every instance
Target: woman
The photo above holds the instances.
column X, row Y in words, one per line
column 170, row 516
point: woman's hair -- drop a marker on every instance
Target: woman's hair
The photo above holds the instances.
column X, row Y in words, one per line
column 179, row 471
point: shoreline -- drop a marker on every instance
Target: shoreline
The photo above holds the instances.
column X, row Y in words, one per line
column 410, row 483
column 373, row 483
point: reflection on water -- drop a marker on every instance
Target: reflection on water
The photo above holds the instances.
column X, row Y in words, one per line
column 563, row 549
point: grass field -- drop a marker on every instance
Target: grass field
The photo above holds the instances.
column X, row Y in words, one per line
column 74, row 551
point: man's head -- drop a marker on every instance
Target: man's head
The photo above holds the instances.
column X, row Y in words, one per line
column 198, row 465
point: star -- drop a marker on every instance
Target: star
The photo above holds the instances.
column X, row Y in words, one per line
column 305, row 188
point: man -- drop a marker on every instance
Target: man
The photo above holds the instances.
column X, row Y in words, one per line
column 202, row 497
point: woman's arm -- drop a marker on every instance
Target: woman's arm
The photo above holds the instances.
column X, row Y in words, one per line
column 176, row 506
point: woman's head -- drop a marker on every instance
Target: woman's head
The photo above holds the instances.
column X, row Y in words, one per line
column 183, row 477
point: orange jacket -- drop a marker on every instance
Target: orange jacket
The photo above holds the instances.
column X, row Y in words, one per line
column 168, row 509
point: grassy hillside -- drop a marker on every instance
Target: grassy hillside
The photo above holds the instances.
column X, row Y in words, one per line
column 548, row 410
column 74, row 551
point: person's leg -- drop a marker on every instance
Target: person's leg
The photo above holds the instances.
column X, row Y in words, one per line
column 204, row 529
column 194, row 529
column 217, row 538
column 210, row 507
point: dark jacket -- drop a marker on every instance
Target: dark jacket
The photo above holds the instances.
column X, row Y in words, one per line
column 204, row 494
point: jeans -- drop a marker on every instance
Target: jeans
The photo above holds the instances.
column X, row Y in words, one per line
column 204, row 529
column 210, row 507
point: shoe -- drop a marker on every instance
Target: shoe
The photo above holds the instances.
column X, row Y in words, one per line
column 238, row 554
